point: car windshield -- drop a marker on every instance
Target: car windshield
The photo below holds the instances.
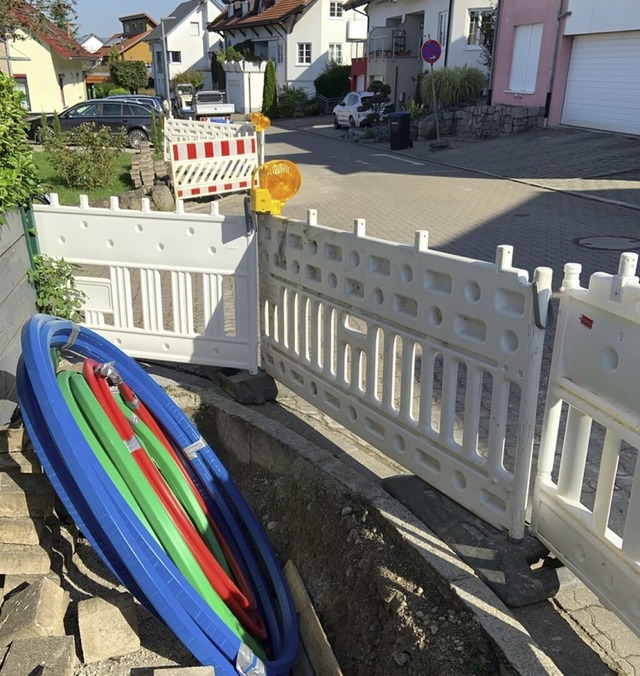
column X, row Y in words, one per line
column 210, row 97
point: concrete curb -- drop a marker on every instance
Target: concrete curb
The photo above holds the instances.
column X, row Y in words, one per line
column 510, row 638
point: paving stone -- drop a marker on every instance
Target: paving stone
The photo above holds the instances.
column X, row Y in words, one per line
column 185, row 671
column 45, row 656
column 24, row 559
column 21, row 581
column 25, row 495
column 20, row 530
column 107, row 628
column 38, row 610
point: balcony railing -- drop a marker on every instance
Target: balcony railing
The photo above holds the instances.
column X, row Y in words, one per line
column 395, row 44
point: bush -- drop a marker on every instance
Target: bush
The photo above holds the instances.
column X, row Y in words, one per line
column 334, row 81
column 17, row 173
column 85, row 157
column 157, row 134
column 118, row 91
column 130, row 75
column 193, row 77
column 104, row 89
column 292, row 102
column 453, row 84
column 415, row 109
column 56, row 290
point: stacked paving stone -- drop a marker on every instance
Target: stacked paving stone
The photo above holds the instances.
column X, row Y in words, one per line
column 34, row 555
column 144, row 171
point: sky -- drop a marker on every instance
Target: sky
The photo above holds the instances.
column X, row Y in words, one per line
column 101, row 18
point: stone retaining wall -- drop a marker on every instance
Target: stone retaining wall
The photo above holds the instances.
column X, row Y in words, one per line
column 483, row 121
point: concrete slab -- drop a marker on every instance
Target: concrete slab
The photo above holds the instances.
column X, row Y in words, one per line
column 108, row 628
column 44, row 656
column 25, row 495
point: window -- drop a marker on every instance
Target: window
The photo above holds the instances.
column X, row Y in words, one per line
column 335, row 10
column 526, row 53
column 84, row 110
column 22, row 86
column 474, row 35
column 304, row 53
column 335, row 52
column 175, row 57
column 443, row 28
column 280, row 53
column 194, row 29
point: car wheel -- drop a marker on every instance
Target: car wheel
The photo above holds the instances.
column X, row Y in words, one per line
column 352, row 123
column 135, row 137
column 336, row 124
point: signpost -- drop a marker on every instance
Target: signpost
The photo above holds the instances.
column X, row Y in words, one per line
column 430, row 52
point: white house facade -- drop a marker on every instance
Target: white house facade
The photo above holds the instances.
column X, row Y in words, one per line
column 184, row 37
column 301, row 37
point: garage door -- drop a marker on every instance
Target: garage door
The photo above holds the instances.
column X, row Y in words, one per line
column 603, row 85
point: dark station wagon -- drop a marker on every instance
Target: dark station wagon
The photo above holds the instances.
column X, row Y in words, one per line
column 133, row 117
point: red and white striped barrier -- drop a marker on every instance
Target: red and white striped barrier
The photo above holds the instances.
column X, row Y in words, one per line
column 206, row 167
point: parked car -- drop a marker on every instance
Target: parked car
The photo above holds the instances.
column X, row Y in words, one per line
column 154, row 102
column 356, row 107
column 133, row 117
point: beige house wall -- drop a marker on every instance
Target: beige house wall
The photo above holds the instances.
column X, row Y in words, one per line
column 43, row 69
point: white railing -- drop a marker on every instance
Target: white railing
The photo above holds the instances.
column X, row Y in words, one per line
column 591, row 435
column 170, row 286
column 423, row 354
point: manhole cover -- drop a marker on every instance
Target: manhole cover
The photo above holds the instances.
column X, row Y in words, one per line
column 606, row 243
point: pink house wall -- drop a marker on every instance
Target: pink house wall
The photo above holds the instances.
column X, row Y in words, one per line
column 521, row 12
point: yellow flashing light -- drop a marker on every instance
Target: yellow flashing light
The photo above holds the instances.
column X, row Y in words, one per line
column 260, row 122
column 274, row 183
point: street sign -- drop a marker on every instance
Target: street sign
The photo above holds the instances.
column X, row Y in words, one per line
column 431, row 51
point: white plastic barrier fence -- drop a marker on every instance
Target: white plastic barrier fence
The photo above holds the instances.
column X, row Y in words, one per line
column 421, row 353
column 592, row 425
column 169, row 286
column 201, row 168
column 177, row 131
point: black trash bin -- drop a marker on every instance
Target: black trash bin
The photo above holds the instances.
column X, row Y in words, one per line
column 400, row 130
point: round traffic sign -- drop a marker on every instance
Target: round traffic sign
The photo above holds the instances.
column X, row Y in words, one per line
column 431, row 51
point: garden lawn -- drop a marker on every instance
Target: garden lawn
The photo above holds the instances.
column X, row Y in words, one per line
column 51, row 182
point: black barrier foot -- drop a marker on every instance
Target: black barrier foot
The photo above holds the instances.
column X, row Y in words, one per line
column 244, row 387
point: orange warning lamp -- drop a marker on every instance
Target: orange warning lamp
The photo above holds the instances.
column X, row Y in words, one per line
column 260, row 122
column 274, row 183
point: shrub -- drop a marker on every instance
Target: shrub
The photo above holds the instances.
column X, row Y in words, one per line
column 85, row 157
column 334, row 81
column 104, row 89
column 379, row 101
column 131, row 75
column 269, row 92
column 292, row 102
column 414, row 108
column 453, row 84
column 157, row 134
column 193, row 77
column 118, row 91
column 56, row 290
column 17, row 173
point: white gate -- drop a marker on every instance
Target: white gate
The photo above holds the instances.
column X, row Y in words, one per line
column 373, row 333
column 168, row 286
column 592, row 426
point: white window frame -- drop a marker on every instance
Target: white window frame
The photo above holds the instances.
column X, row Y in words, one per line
column 335, row 52
column 525, row 58
column 194, row 29
column 22, row 84
column 303, row 54
column 443, row 28
column 474, row 32
column 280, row 53
column 335, row 10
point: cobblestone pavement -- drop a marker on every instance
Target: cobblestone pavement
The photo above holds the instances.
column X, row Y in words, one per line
column 542, row 192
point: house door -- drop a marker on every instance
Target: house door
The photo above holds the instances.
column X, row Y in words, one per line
column 603, row 83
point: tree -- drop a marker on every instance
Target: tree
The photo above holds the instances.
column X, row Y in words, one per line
column 193, row 77
column 379, row 100
column 131, row 75
column 269, row 93
column 334, row 80
column 61, row 12
column 487, row 36
column 10, row 21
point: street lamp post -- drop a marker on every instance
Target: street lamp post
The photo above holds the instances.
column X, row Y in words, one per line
column 165, row 58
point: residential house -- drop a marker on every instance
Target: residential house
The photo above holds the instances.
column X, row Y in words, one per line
column 129, row 45
column 184, row 38
column 48, row 64
column 580, row 59
column 92, row 43
column 397, row 30
column 300, row 36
